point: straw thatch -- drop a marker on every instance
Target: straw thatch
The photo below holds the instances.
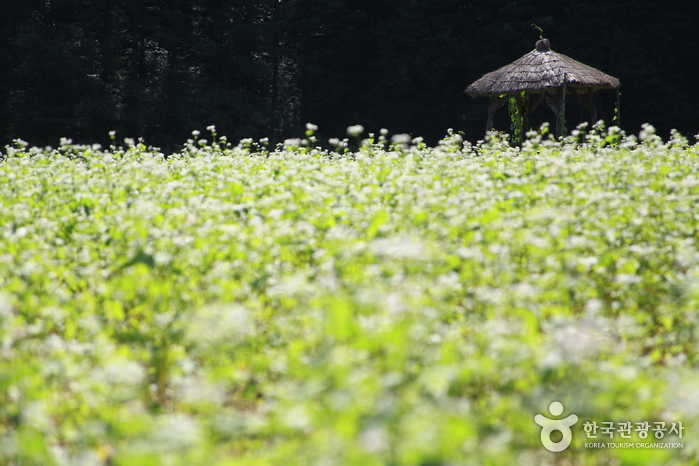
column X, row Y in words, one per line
column 540, row 70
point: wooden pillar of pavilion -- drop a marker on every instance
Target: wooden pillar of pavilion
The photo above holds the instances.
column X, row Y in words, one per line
column 495, row 104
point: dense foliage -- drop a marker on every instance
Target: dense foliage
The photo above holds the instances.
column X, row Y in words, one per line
column 397, row 304
column 80, row 68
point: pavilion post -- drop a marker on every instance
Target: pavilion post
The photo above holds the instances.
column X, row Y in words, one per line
column 525, row 116
column 495, row 103
column 554, row 103
column 560, row 121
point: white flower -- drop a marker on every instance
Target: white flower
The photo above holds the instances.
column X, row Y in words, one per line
column 176, row 432
column 197, row 389
column 122, row 372
column 401, row 139
column 211, row 128
column 34, row 414
column 196, row 133
column 355, row 130
column 400, row 247
column 576, row 340
column 297, row 417
column 374, row 439
column 292, row 285
column 53, row 343
column 218, row 324
column 594, row 306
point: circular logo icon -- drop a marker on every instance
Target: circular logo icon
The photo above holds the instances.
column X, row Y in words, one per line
column 561, row 425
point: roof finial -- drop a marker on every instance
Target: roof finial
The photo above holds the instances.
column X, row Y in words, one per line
column 542, row 45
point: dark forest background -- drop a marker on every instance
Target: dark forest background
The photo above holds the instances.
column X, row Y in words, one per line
column 160, row 69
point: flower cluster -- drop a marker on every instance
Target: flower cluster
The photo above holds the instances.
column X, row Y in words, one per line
column 392, row 304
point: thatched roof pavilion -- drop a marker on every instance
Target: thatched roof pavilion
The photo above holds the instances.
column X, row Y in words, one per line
column 544, row 75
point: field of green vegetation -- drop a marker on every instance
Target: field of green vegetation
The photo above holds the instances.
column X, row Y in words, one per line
column 393, row 304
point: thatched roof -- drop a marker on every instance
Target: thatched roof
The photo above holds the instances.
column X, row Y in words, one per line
column 539, row 70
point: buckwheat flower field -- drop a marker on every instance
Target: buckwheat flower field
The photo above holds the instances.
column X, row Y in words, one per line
column 393, row 304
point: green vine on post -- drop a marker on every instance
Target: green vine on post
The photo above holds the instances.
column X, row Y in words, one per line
column 562, row 116
column 516, row 119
